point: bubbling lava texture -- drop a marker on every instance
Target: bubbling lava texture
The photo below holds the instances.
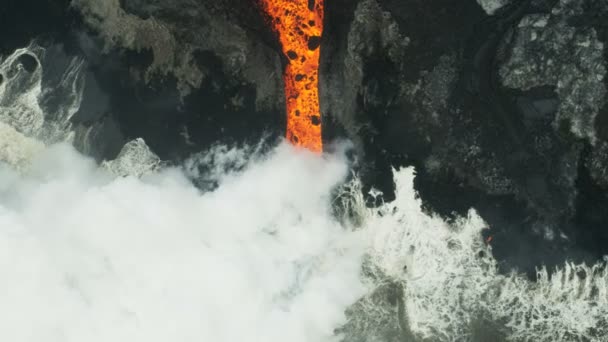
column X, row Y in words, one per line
column 299, row 25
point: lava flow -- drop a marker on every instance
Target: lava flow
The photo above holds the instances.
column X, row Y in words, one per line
column 299, row 24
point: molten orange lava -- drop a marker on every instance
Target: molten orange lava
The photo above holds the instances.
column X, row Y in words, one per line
column 299, row 24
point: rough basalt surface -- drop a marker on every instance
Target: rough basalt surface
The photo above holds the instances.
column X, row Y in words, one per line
column 184, row 74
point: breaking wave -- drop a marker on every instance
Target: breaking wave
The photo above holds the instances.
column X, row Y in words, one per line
column 280, row 248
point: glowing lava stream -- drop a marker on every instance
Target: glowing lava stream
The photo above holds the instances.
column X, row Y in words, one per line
column 299, row 24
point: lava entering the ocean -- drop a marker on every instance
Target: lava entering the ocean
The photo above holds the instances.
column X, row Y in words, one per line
column 299, row 24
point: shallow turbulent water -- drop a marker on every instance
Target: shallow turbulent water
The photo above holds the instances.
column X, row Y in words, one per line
column 130, row 250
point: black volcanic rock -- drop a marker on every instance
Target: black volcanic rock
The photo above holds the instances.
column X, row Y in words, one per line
column 184, row 75
column 495, row 112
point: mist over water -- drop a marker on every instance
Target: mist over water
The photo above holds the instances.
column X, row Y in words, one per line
column 131, row 250
column 88, row 257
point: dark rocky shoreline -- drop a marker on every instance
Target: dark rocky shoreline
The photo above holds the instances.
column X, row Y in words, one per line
column 506, row 113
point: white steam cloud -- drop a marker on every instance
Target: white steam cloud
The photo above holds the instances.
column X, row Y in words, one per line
column 85, row 257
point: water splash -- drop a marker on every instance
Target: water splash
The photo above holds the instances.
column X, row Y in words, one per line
column 41, row 114
column 449, row 287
